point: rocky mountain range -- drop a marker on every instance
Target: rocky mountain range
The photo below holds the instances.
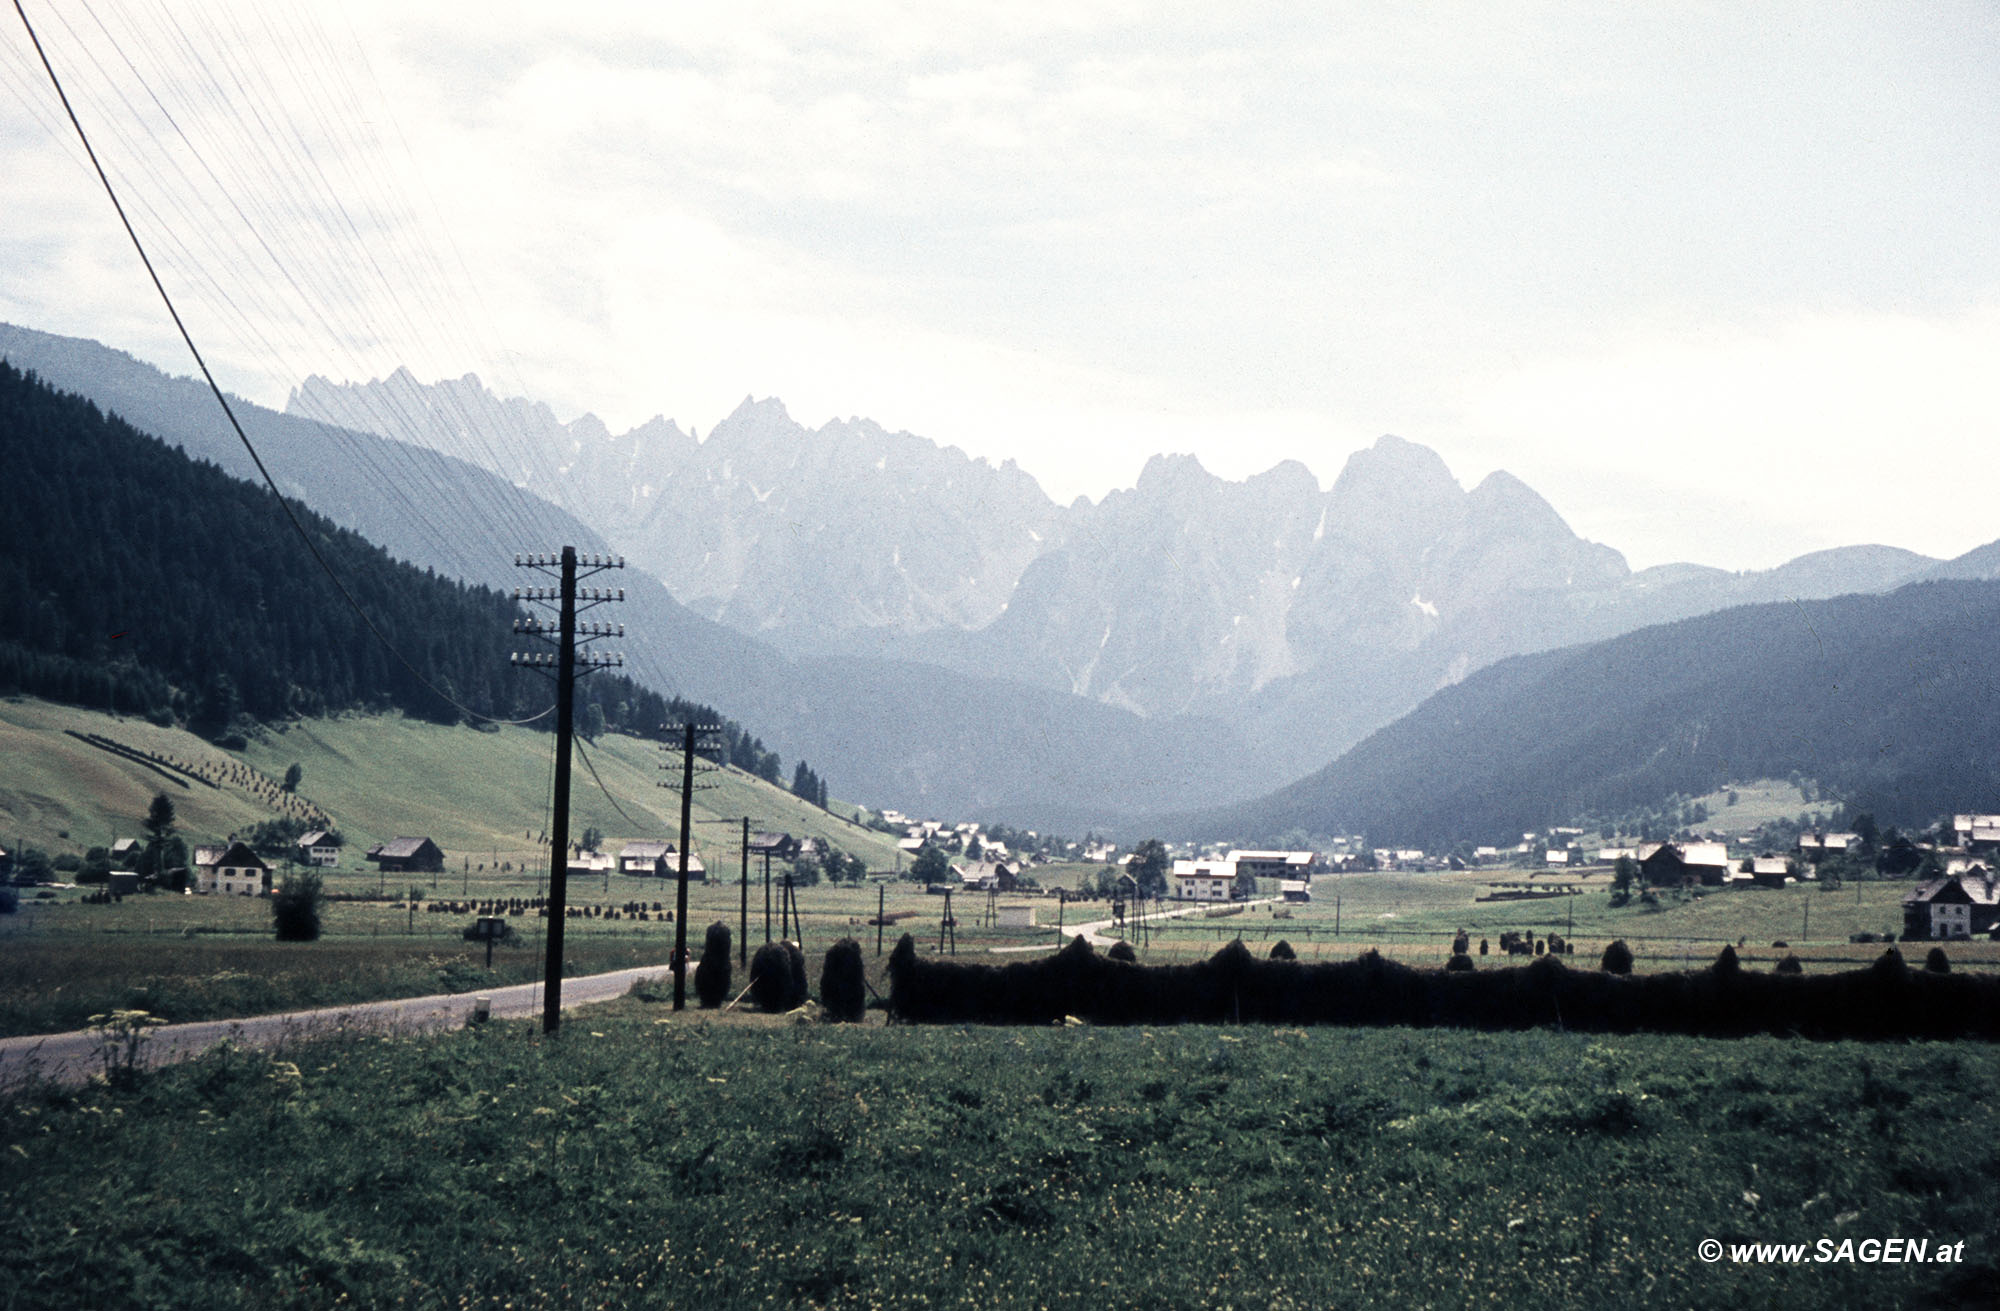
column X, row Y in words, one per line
column 931, row 631
column 1308, row 616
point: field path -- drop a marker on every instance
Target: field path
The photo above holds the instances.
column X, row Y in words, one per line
column 71, row 1058
column 1093, row 932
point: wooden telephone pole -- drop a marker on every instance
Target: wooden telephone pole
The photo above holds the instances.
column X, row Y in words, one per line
column 566, row 662
column 691, row 735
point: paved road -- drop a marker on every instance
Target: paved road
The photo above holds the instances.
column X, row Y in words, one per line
column 1093, row 932
column 71, row 1058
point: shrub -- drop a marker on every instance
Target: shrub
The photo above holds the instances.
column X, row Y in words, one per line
column 712, row 975
column 1617, row 958
column 1727, row 965
column 1790, row 965
column 1122, row 950
column 1282, row 950
column 1936, row 962
column 1458, row 964
column 843, row 983
column 295, row 908
column 10, row 900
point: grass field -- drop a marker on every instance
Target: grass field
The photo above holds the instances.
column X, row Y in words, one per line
column 648, row 1159
column 190, row 958
column 483, row 797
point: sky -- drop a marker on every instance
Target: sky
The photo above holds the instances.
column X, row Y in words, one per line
column 1722, row 282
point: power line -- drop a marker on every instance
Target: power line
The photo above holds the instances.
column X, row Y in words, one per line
column 222, row 400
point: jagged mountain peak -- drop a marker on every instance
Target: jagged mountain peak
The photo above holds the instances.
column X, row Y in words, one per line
column 1174, row 473
column 769, row 412
column 1393, row 470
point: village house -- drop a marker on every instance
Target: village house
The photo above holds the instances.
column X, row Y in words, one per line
column 1203, row 880
column 1669, row 864
column 985, row 875
column 1815, row 845
column 646, row 858
column 1771, row 871
column 1295, row 891
column 407, row 856
column 234, row 870
column 125, row 852
column 1275, row 864
column 1955, row 906
column 204, row 857
column 1976, row 832
column 775, row 846
column 318, row 848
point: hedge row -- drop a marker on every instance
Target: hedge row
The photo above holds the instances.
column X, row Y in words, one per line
column 1884, row 1000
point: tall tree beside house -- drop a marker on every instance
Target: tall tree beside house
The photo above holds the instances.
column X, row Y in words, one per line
column 1149, row 867
column 160, row 820
column 1245, row 886
column 930, row 866
column 164, row 858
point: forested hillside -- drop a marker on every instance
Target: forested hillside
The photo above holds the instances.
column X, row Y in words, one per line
column 134, row 578
column 1888, row 701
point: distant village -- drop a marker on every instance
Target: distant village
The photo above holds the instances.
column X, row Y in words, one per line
column 1955, row 893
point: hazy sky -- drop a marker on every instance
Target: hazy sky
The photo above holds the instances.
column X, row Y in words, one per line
column 1719, row 280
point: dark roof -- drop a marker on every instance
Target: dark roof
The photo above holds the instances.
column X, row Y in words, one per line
column 240, row 856
column 400, row 848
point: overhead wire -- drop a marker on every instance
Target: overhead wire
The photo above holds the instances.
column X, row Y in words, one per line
column 228, row 410
column 274, row 157
column 211, row 233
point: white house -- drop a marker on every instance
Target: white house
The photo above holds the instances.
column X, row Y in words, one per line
column 1203, row 880
column 319, row 848
column 236, row 871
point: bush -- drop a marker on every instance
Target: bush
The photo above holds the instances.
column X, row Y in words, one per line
column 1790, row 965
column 1617, row 958
column 843, row 982
column 10, row 900
column 1936, row 962
column 1122, row 950
column 1282, row 950
column 1459, row 963
column 712, row 975
column 295, row 909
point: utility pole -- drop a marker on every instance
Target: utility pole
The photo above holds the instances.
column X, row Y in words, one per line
column 743, row 916
column 881, row 901
column 690, row 739
column 564, row 634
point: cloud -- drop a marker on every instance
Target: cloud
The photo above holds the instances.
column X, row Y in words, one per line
column 1811, row 431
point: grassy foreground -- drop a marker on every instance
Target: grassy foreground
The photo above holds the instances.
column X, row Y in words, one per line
column 646, row 1159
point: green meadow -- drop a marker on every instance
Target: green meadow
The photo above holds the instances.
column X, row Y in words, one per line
column 643, row 1158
